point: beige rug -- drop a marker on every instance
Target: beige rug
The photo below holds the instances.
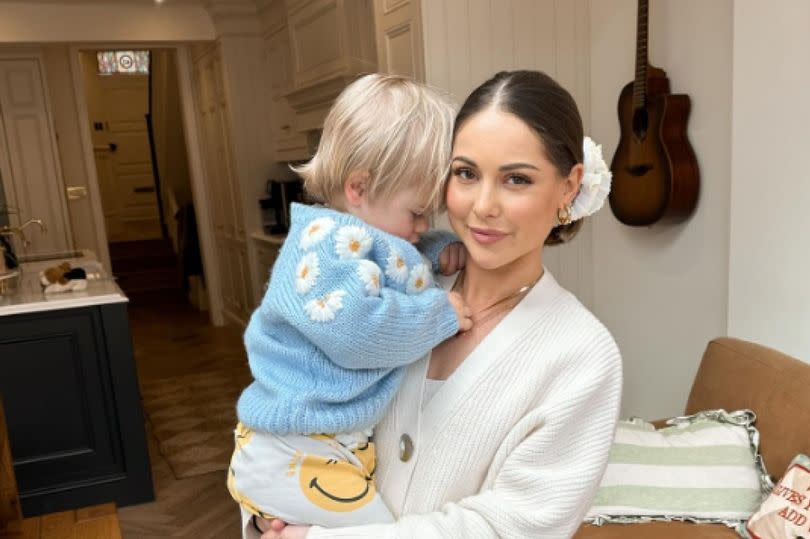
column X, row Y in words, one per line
column 193, row 417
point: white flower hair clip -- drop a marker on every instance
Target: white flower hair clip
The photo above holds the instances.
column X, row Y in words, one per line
column 595, row 185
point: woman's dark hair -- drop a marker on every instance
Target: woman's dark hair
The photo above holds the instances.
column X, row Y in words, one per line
column 548, row 109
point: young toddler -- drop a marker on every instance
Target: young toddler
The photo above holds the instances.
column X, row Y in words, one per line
column 351, row 302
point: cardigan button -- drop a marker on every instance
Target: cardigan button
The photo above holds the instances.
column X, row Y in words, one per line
column 405, row 448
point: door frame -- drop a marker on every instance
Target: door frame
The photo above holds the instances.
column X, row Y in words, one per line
column 199, row 192
column 26, row 53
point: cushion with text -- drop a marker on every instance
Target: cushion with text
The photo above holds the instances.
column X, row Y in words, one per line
column 785, row 513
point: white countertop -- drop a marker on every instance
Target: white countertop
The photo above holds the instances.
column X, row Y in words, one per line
column 29, row 297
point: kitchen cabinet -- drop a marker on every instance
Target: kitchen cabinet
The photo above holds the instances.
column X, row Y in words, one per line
column 398, row 28
column 289, row 143
column 330, row 38
column 267, row 247
column 315, row 48
column 73, row 407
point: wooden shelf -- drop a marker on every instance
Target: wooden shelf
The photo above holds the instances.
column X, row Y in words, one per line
column 273, row 239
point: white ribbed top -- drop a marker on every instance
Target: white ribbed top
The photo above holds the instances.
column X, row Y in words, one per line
column 515, row 443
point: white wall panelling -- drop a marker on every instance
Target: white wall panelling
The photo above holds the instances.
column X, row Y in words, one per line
column 468, row 41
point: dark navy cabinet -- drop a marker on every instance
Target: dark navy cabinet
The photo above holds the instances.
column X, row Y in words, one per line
column 73, row 408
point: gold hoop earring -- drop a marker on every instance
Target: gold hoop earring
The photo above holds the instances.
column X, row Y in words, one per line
column 564, row 215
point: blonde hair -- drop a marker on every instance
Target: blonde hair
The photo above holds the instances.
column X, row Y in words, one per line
column 397, row 130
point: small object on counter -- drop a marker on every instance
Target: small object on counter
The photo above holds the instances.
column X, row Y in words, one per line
column 54, row 274
column 63, row 278
column 9, row 282
column 7, row 253
column 76, row 274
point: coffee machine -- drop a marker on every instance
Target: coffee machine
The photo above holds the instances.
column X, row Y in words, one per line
column 276, row 205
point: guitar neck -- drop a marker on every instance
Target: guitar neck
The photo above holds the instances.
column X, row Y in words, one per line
column 640, row 82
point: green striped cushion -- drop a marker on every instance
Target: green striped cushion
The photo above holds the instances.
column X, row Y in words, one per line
column 703, row 467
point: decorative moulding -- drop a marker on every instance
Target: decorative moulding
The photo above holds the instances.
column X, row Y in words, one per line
column 234, row 17
column 312, row 103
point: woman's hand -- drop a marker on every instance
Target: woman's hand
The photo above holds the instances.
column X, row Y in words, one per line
column 279, row 530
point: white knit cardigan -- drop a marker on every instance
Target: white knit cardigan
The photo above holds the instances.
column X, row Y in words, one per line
column 516, row 440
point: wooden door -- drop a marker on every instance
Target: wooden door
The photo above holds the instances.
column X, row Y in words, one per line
column 223, row 188
column 29, row 163
column 123, row 158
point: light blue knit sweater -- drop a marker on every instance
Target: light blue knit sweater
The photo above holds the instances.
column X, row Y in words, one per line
column 348, row 306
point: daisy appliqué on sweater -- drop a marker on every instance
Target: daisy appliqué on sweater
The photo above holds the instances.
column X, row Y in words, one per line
column 396, row 268
column 352, row 242
column 371, row 276
column 307, row 273
column 324, row 308
column 315, row 232
column 419, row 279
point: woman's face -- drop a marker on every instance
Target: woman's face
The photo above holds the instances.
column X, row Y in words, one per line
column 503, row 194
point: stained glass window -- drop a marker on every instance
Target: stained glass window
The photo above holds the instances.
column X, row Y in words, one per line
column 130, row 62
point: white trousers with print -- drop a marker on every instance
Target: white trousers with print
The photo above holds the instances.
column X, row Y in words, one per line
column 320, row 479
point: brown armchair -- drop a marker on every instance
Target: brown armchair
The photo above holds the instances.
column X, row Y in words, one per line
column 736, row 374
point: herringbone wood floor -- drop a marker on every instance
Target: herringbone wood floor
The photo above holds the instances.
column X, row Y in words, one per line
column 170, row 339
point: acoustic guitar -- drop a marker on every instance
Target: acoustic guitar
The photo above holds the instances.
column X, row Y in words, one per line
column 655, row 172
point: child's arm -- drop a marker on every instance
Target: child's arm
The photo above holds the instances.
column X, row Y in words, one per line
column 360, row 323
column 432, row 243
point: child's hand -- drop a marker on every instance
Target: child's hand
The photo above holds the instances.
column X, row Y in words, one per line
column 278, row 529
column 453, row 258
column 463, row 314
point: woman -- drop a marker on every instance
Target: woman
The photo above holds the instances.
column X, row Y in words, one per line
column 504, row 431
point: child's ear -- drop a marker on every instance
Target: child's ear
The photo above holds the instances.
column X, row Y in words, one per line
column 355, row 189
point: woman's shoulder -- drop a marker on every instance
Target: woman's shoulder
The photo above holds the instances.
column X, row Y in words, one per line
column 575, row 328
column 582, row 319
column 551, row 299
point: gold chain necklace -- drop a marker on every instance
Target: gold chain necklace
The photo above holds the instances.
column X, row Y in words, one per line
column 519, row 292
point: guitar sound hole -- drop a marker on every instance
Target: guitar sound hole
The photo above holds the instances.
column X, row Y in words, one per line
column 638, row 170
column 640, row 123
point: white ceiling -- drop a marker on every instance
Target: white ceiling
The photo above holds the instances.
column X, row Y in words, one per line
column 108, row 2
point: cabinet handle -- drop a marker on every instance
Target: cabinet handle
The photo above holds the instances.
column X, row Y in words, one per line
column 285, row 127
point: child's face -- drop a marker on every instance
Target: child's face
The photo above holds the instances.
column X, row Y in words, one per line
column 401, row 215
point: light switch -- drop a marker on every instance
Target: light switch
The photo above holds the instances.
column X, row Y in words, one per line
column 76, row 192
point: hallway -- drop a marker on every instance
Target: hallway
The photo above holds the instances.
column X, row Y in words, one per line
column 171, row 340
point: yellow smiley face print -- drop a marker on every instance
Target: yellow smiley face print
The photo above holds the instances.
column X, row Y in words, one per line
column 338, row 485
